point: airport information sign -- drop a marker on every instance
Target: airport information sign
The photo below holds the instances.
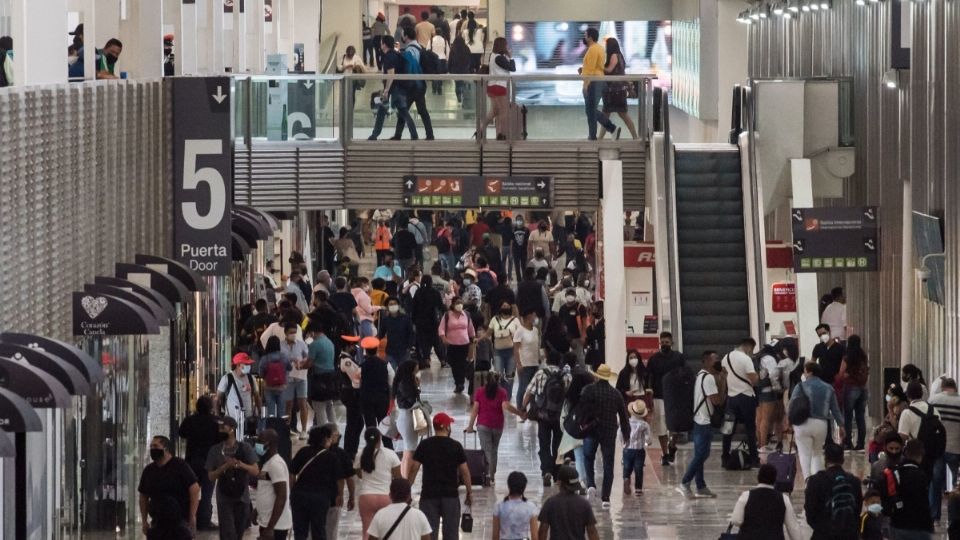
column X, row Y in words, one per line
column 835, row 239
column 477, row 192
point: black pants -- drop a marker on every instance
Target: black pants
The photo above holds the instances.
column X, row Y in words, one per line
column 418, row 98
column 233, row 516
column 519, row 261
column 354, row 429
column 548, row 436
column 744, row 410
column 438, row 85
column 205, row 509
column 606, row 443
column 309, row 515
column 378, row 54
column 368, row 55
column 428, row 341
column 374, row 410
column 457, row 358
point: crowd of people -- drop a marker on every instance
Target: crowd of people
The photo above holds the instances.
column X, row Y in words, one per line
column 532, row 348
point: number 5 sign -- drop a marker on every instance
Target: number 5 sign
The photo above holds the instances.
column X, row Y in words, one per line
column 202, row 174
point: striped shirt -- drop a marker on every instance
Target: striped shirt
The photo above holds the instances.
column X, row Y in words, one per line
column 948, row 405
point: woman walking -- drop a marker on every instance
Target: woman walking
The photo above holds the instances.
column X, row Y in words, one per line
column 487, row 414
column 615, row 93
column 457, row 333
column 376, row 467
column 476, row 38
column 365, row 308
column 813, row 433
column 503, row 325
column 854, row 372
column 515, row 518
column 526, row 351
column 313, row 477
column 501, row 64
column 274, row 386
column 633, row 380
column 406, row 392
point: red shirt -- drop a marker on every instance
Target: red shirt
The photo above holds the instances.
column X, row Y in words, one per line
column 490, row 411
column 476, row 233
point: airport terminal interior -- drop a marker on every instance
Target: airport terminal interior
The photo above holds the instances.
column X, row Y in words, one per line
column 508, row 269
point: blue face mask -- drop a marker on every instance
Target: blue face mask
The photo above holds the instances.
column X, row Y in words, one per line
column 260, row 449
column 875, row 508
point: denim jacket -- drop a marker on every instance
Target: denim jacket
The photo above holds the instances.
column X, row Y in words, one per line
column 823, row 400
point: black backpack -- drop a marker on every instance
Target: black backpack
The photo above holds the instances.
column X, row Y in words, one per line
column 842, row 506
column 931, row 433
column 581, row 422
column 548, row 403
column 485, row 282
column 429, row 61
column 233, row 482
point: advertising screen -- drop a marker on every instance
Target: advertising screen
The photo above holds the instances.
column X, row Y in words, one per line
column 557, row 48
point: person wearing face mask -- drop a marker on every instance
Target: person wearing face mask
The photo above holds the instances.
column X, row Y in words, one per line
column 595, row 351
column 230, row 463
column 274, row 516
column 397, row 328
column 828, row 352
column 457, row 332
column 503, row 326
column 871, row 520
column 518, row 245
column 237, row 391
column 541, row 239
column 470, row 292
column 538, row 261
column 199, row 430
column 662, row 362
column 573, row 315
column 889, row 458
column 633, row 381
column 167, row 476
column 365, row 308
column 558, row 292
column 106, row 61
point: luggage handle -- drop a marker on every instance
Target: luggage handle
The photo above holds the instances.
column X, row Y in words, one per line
column 476, row 443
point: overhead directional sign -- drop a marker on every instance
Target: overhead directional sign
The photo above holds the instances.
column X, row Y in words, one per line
column 202, row 174
column 835, row 239
column 477, row 192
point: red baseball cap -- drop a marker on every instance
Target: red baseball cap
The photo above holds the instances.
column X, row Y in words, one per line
column 442, row 419
column 242, row 358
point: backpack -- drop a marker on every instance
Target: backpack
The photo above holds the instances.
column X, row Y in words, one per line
column 275, row 372
column 233, row 482
column 411, row 66
column 842, row 505
column 548, row 403
column 502, row 339
column 429, row 61
column 582, row 420
column 931, row 433
column 486, row 282
column 678, row 392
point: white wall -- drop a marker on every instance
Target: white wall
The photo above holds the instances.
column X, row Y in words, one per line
column 579, row 10
column 731, row 57
column 342, row 17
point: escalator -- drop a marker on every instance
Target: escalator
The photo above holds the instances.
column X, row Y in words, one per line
column 711, row 248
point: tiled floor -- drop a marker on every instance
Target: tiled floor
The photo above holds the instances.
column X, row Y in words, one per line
column 661, row 513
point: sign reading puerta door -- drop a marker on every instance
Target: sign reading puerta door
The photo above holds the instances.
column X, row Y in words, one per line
column 835, row 239
column 202, row 174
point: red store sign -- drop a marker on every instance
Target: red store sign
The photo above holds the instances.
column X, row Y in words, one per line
column 784, row 297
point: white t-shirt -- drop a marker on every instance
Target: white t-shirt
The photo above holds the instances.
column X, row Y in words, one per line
column 412, row 527
column 236, row 401
column 440, row 46
column 910, row 422
column 709, row 386
column 273, row 471
column 835, row 315
column 276, row 329
column 529, row 341
column 738, row 362
column 378, row 481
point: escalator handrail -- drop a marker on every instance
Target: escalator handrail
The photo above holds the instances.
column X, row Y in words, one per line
column 748, row 106
column 662, row 113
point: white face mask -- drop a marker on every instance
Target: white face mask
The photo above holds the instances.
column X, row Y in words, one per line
column 245, row 370
column 824, row 338
column 71, row 60
column 887, row 398
column 571, row 299
column 586, row 283
column 458, row 308
column 633, row 362
column 875, row 509
column 393, row 308
column 803, row 378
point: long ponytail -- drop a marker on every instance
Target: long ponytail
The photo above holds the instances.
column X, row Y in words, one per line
column 368, row 461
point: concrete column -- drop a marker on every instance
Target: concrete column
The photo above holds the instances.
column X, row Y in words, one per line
column 142, row 36
column 187, row 41
column 216, row 45
column 37, row 29
column 496, row 18
column 284, row 19
column 254, row 38
column 306, row 30
column 240, row 37
column 808, row 296
column 343, row 17
column 615, row 298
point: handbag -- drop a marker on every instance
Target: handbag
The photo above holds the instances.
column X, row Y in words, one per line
column 420, row 422
column 728, row 535
column 466, row 521
column 388, row 426
column 798, row 410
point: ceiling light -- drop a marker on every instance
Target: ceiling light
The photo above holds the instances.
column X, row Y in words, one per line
column 805, row 7
column 891, row 78
column 755, row 14
column 814, row 5
column 825, row 4
column 778, row 10
column 792, row 6
column 861, row 2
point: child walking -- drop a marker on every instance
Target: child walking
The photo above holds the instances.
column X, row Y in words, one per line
column 635, row 450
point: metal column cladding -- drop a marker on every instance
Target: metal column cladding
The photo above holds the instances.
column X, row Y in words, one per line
column 908, row 133
column 202, row 174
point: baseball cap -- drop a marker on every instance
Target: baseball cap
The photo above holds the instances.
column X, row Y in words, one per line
column 442, row 419
column 369, row 342
column 242, row 358
column 567, row 476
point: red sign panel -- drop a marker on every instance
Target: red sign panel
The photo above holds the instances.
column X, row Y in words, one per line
column 646, row 345
column 639, row 256
column 784, row 297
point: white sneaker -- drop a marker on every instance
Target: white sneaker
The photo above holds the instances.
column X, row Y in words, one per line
column 684, row 489
column 605, row 505
column 591, row 493
column 303, row 436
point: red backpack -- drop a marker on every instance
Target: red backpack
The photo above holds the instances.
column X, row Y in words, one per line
column 275, row 372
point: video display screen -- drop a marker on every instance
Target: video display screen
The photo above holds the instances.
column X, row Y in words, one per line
column 557, row 48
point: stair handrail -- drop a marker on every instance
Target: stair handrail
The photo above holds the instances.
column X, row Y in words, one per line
column 756, row 214
column 661, row 103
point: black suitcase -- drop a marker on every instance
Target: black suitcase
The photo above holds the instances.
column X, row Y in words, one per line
column 678, row 386
column 284, row 445
column 476, row 463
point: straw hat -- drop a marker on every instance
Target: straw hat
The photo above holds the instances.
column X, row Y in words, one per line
column 603, row 372
column 637, row 408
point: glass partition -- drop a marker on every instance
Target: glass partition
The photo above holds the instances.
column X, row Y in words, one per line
column 286, row 108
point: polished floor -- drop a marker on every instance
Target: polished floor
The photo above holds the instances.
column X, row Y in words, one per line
column 661, row 513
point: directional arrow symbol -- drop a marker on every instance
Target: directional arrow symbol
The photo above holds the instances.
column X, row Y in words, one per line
column 409, row 184
column 308, row 84
column 541, row 184
column 219, row 96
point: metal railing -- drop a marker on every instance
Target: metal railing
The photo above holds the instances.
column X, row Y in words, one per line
column 336, row 108
column 748, row 112
column 661, row 123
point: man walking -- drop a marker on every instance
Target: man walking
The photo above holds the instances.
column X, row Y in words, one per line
column 907, row 503
column 199, row 430
column 741, row 397
column 273, row 489
column 662, row 362
column 416, row 90
column 442, row 459
column 231, row 463
column 947, row 405
column 833, row 498
column 567, row 515
column 392, row 90
column 543, row 401
column 594, row 62
column 165, row 482
column 607, row 404
column 709, row 392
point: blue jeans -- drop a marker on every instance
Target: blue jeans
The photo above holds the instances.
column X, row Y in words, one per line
column 855, row 401
column 702, row 436
column 591, row 101
column 275, row 401
column 504, row 365
column 367, row 329
column 581, row 462
column 939, row 482
column 399, row 101
column 633, row 461
column 448, row 261
column 525, row 376
column 506, row 261
column 606, row 443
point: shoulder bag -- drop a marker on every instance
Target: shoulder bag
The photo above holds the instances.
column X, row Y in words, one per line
column 798, row 410
column 397, row 522
column 717, row 416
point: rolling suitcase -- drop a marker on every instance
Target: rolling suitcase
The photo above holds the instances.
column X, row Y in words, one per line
column 476, row 463
column 517, row 122
column 786, row 465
